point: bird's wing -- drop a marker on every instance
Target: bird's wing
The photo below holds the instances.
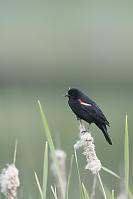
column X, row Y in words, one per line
column 95, row 112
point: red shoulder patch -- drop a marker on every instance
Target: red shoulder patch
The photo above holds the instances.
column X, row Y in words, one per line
column 81, row 102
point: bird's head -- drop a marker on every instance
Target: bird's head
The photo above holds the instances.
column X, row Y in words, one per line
column 73, row 93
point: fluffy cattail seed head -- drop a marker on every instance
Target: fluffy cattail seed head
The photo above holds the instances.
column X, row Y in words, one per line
column 61, row 158
column 86, row 140
column 9, row 181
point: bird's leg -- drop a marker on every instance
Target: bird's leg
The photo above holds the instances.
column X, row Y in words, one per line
column 80, row 122
column 88, row 126
column 83, row 130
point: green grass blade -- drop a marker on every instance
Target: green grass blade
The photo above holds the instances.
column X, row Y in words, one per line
column 126, row 159
column 112, row 194
column 85, row 192
column 68, row 181
column 38, row 184
column 80, row 184
column 130, row 193
column 111, row 172
column 51, row 145
column 45, row 171
column 108, row 193
column 54, row 192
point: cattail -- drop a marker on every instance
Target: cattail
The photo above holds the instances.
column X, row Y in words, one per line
column 93, row 163
column 86, row 140
column 9, row 180
column 61, row 158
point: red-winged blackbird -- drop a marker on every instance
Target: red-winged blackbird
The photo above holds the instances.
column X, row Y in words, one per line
column 88, row 110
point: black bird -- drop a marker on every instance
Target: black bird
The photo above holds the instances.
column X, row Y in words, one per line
column 88, row 110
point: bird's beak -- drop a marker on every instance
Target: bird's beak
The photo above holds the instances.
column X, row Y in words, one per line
column 66, row 95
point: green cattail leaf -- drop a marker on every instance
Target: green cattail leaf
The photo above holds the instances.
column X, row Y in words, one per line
column 130, row 192
column 52, row 148
column 112, row 194
column 80, row 184
column 108, row 193
column 126, row 159
column 45, row 171
column 111, row 172
column 68, row 181
column 85, row 192
column 38, row 184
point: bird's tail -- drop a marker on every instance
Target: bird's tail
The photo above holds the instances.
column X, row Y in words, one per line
column 105, row 132
column 106, row 135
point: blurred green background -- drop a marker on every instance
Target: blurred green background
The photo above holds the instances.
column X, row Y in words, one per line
column 47, row 47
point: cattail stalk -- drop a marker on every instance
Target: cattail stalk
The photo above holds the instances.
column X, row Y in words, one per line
column 94, row 187
column 101, row 185
column 61, row 158
column 15, row 152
